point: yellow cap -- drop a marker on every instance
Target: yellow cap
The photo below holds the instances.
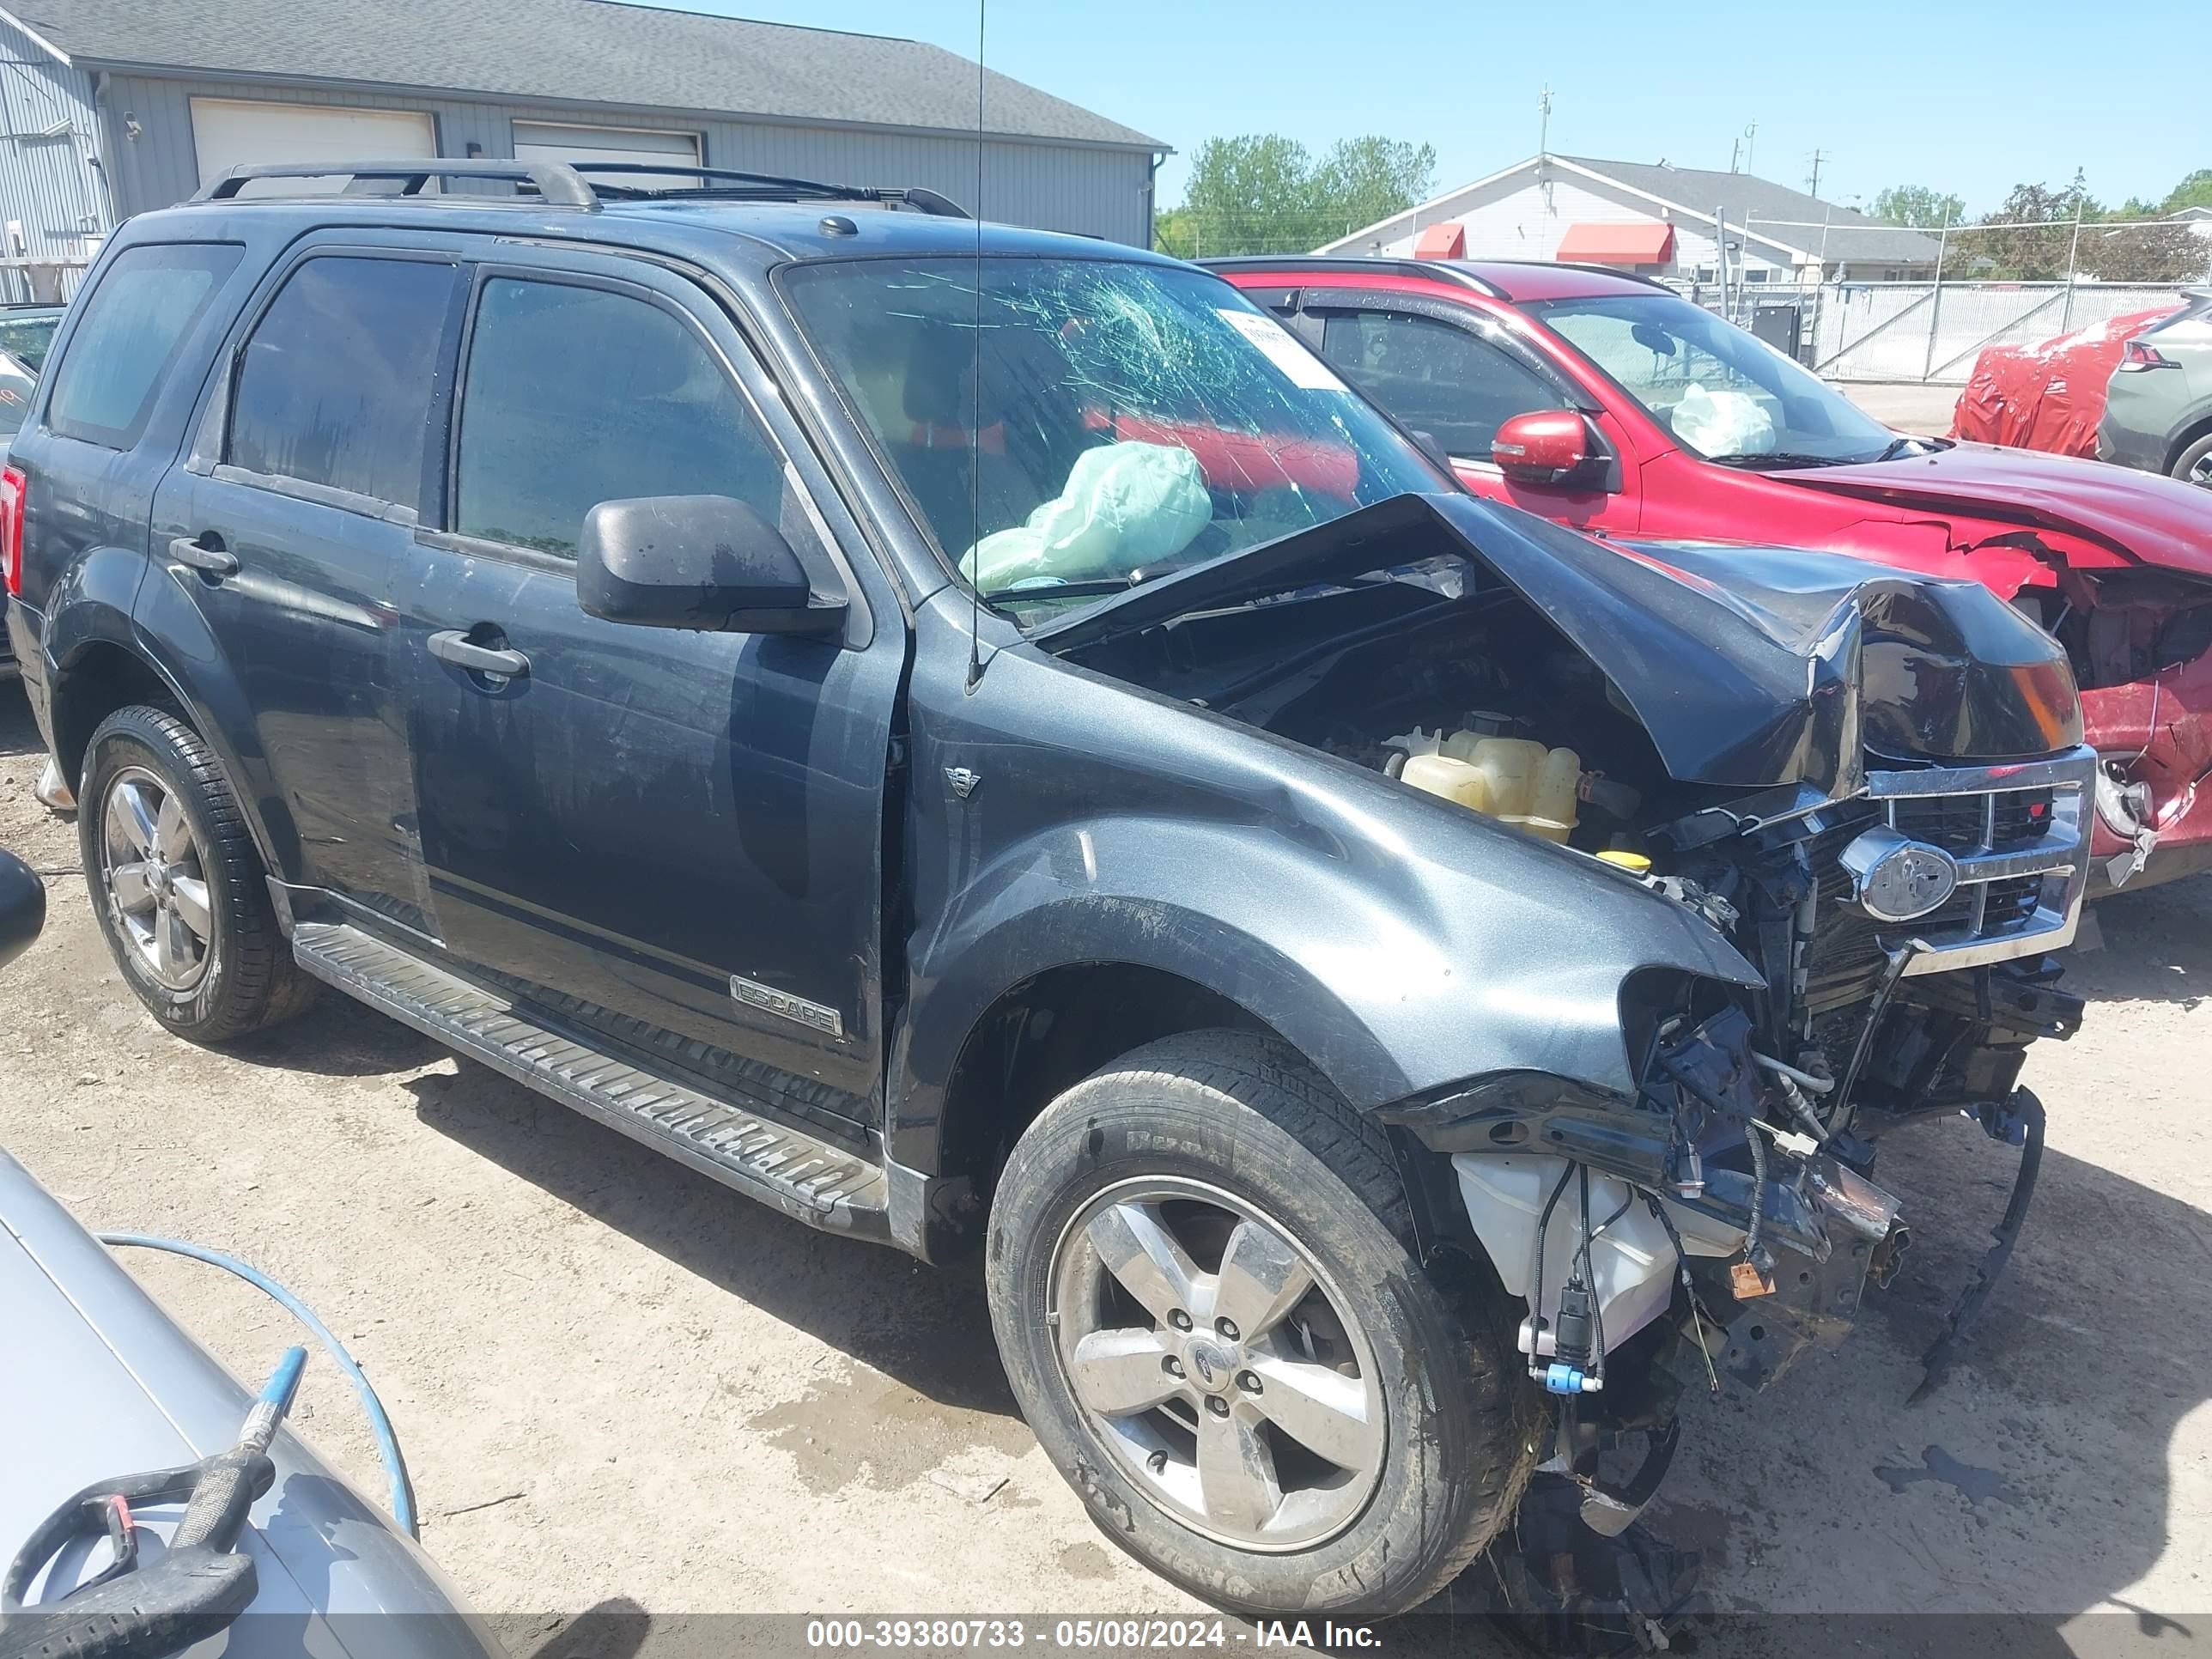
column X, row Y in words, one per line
column 1635, row 863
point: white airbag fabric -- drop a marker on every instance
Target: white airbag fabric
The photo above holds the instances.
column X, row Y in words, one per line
column 1723, row 422
column 1125, row 505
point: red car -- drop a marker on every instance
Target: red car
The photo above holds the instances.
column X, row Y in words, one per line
column 1611, row 404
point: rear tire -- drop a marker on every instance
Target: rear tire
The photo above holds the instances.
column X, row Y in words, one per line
column 2194, row 463
column 176, row 884
column 1259, row 1176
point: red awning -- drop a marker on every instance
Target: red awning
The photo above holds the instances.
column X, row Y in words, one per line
column 1640, row 242
column 1445, row 241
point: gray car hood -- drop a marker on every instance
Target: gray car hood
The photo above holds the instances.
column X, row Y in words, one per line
column 100, row 1383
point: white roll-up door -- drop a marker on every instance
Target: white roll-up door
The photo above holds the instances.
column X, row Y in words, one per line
column 227, row 131
column 538, row 140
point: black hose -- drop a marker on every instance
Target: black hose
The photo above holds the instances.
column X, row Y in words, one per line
column 1536, row 1282
column 1758, row 1150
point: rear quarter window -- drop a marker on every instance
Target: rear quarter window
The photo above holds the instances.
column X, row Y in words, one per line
column 136, row 320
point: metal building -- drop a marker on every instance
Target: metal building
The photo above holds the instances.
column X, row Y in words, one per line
column 114, row 106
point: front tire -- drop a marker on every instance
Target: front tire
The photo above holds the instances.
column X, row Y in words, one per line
column 1202, row 1279
column 176, row 884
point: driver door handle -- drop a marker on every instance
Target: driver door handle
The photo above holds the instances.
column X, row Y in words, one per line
column 456, row 647
column 191, row 550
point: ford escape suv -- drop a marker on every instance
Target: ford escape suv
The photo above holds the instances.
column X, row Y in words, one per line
column 975, row 737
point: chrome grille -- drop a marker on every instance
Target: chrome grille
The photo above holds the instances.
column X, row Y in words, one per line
column 2020, row 835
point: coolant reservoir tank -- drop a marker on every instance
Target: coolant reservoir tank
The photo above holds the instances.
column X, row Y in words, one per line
column 1552, row 802
column 1455, row 780
column 1509, row 763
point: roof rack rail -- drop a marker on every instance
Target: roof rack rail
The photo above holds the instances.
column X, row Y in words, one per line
column 563, row 183
column 558, row 182
column 719, row 181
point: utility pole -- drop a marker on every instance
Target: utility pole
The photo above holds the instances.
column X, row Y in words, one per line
column 1544, row 145
column 1812, row 183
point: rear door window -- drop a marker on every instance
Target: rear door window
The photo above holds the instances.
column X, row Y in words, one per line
column 1434, row 376
column 574, row 396
column 338, row 380
column 145, row 307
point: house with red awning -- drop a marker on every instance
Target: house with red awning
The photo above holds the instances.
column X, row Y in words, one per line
column 1650, row 219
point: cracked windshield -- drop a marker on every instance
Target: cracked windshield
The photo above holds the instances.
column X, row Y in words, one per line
column 1070, row 428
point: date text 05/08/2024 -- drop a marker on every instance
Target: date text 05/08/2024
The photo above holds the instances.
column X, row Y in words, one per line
column 932, row 1635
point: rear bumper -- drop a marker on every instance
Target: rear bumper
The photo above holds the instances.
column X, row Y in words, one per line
column 2127, row 446
column 22, row 651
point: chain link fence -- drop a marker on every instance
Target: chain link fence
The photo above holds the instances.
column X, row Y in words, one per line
column 1932, row 330
column 1925, row 332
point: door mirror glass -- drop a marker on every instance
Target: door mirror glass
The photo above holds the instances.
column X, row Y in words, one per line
column 707, row 562
column 22, row 906
column 1542, row 448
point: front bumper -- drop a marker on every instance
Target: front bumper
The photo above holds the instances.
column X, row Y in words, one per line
column 2158, row 731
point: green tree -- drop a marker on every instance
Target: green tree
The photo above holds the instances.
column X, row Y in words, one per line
column 1918, row 206
column 2038, row 234
column 1365, row 179
column 1251, row 194
column 1264, row 193
column 2195, row 190
column 2147, row 254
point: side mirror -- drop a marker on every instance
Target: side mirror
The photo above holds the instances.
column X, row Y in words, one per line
column 697, row 562
column 22, row 906
column 1542, row 447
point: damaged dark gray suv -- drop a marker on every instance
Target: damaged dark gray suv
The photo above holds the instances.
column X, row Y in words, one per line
column 975, row 737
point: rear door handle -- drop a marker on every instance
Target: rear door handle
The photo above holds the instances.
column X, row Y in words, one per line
column 191, row 550
column 456, row 647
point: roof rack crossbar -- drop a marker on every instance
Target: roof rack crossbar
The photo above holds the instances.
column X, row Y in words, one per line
column 556, row 182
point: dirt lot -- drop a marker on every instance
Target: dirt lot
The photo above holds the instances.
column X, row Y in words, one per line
column 616, row 1381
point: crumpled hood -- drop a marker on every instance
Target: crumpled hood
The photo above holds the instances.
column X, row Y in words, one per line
column 1748, row 666
column 2161, row 521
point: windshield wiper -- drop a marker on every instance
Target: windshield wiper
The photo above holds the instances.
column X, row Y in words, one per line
column 1083, row 590
column 1765, row 458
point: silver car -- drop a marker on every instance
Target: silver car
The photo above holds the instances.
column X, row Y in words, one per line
column 100, row 1385
column 2158, row 404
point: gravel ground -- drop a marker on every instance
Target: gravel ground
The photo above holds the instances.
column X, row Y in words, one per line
column 621, row 1386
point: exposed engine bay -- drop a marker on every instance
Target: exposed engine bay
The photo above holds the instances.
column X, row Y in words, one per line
column 1873, row 787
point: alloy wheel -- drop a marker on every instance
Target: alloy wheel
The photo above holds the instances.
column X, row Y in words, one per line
column 1216, row 1363
column 2200, row 471
column 155, row 880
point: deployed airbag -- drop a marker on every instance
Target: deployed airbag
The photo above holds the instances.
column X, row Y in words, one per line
column 1723, row 422
column 1125, row 505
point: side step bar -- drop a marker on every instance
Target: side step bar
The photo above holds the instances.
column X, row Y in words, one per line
column 822, row 1185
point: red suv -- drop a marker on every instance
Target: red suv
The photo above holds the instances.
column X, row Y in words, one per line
column 1609, row 403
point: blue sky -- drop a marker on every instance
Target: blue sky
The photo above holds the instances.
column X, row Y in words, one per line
column 1962, row 95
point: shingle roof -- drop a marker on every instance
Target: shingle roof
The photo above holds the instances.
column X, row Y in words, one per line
column 573, row 51
column 1851, row 234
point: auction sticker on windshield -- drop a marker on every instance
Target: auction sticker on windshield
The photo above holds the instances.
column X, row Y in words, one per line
column 1306, row 372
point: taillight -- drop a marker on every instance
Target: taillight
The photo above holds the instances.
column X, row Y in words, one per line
column 12, row 485
column 2137, row 355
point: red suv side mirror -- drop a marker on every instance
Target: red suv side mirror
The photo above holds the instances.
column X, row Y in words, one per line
column 1542, row 447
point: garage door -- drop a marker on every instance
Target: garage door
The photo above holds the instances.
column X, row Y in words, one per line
column 226, row 131
column 536, row 141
